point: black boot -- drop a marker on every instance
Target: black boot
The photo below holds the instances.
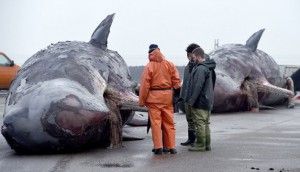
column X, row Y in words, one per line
column 191, row 138
column 165, row 150
column 173, row 151
column 158, row 151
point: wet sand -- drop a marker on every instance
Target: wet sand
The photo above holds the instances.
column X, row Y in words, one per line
column 240, row 142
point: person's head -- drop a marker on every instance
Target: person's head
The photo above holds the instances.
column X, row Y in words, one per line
column 198, row 55
column 152, row 47
column 190, row 49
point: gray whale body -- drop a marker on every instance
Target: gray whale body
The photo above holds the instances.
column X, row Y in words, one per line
column 69, row 96
column 247, row 78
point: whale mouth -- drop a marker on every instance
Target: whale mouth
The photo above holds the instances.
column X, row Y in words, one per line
column 68, row 124
column 68, row 118
column 76, row 122
column 13, row 139
column 5, row 129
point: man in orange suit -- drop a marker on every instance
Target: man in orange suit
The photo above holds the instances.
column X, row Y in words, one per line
column 158, row 81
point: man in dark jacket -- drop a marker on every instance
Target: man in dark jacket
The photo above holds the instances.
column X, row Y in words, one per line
column 183, row 95
column 200, row 98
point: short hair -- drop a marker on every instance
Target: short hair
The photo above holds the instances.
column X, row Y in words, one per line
column 199, row 52
column 191, row 47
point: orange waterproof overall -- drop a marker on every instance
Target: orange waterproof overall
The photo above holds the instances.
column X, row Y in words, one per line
column 157, row 81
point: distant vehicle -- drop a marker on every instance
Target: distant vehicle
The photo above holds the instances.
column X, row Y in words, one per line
column 8, row 71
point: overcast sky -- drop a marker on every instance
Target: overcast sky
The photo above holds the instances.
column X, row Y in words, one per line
column 30, row 25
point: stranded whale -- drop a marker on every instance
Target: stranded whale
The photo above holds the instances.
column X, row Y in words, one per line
column 69, row 96
column 248, row 78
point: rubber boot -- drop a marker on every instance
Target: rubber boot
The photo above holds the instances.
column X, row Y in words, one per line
column 166, row 150
column 200, row 144
column 173, row 151
column 191, row 138
column 207, row 145
column 158, row 151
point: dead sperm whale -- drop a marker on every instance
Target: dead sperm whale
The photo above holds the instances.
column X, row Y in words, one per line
column 69, row 96
column 248, row 78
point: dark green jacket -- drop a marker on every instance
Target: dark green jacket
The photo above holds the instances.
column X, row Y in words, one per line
column 186, row 78
column 201, row 85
